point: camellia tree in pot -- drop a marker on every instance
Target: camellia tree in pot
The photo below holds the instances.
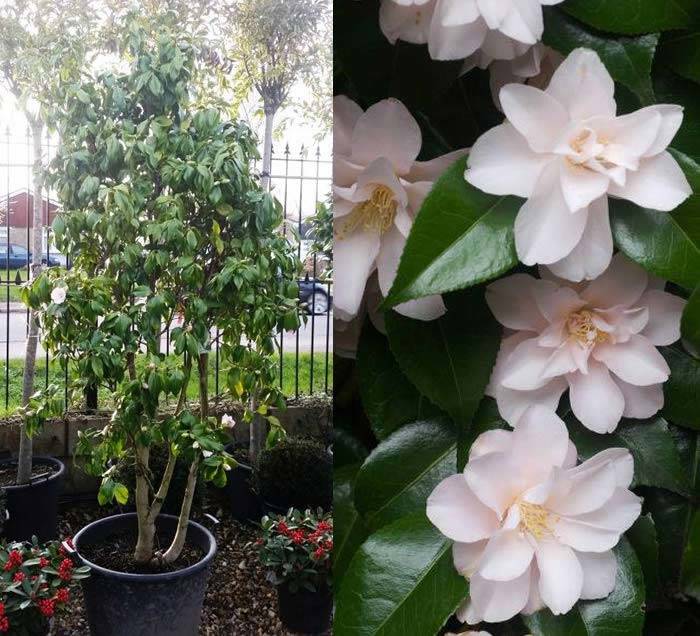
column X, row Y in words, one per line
column 169, row 231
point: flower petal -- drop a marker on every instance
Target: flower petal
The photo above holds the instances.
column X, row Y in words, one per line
column 592, row 256
column 466, row 556
column 621, row 284
column 596, row 399
column 636, row 361
column 540, row 438
column 387, row 129
column 495, row 441
column 641, row 401
column 583, row 491
column 523, row 370
column 407, row 22
column 580, row 185
column 583, row 85
column 454, row 42
column 671, row 120
column 508, row 554
column 495, row 479
column 512, row 302
column 431, row 170
column 545, row 230
column 561, row 576
column 659, row 184
column 345, row 116
column 354, row 257
column 599, row 573
column 621, row 460
column 501, row 162
column 536, row 115
column 496, row 601
column 454, row 510
column 665, row 310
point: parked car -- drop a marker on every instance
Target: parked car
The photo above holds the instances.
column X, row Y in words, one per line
column 20, row 256
column 315, row 294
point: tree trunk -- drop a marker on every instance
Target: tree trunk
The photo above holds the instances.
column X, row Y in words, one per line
column 143, row 552
column 24, row 469
column 267, row 149
column 257, row 432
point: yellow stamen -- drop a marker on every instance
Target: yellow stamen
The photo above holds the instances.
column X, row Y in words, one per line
column 534, row 519
column 376, row 214
column 580, row 326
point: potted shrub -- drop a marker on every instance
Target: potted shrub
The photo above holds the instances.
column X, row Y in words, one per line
column 295, row 473
column 33, row 483
column 296, row 548
column 164, row 215
column 35, row 585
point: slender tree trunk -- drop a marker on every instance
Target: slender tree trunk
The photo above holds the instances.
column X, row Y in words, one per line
column 257, row 432
column 178, row 542
column 267, row 148
column 24, row 469
column 146, row 526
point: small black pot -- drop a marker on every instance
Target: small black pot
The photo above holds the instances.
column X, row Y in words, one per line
column 121, row 604
column 33, row 508
column 304, row 611
column 244, row 502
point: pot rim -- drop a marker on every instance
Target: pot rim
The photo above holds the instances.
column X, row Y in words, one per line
column 146, row 578
column 36, row 459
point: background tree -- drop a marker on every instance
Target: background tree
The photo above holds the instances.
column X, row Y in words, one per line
column 275, row 43
column 42, row 43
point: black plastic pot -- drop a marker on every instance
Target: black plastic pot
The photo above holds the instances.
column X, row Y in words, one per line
column 304, row 611
column 33, row 508
column 121, row 604
column 243, row 500
column 270, row 509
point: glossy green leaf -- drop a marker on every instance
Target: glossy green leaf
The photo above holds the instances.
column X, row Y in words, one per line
column 349, row 528
column 656, row 459
column 620, row 614
column 461, row 237
column 389, row 399
column 670, row 88
column 681, row 51
column 449, row 359
column 628, row 60
column 642, row 536
column 690, row 322
column 658, row 241
column 401, row 581
column 681, row 394
column 486, row 418
column 402, row 471
column 634, row 16
column 347, row 449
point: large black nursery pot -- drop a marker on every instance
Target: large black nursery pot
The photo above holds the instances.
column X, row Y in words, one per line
column 304, row 611
column 122, row 604
column 33, row 508
column 243, row 500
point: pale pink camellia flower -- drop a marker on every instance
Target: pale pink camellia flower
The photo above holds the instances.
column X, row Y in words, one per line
column 456, row 29
column 531, row 528
column 58, row 295
column 228, row 421
column 565, row 150
column 597, row 339
column 378, row 189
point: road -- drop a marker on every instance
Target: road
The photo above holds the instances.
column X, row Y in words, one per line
column 18, row 332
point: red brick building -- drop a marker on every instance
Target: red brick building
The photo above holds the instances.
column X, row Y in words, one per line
column 21, row 215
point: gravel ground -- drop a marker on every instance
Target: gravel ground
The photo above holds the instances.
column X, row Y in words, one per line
column 239, row 601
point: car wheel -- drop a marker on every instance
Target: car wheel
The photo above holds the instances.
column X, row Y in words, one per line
column 318, row 303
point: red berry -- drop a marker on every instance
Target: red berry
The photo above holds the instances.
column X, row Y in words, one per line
column 62, row 595
column 43, row 562
column 18, row 577
column 47, row 607
column 4, row 624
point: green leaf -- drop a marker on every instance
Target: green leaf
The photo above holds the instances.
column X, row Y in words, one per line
column 634, row 16
column 681, row 51
column 681, row 396
column 349, row 528
column 461, row 237
column 620, row 614
column 672, row 89
column 449, row 359
column 690, row 565
column 390, row 400
column 121, row 494
column 642, row 536
column 690, row 322
column 656, row 459
column 658, row 241
column 401, row 581
column 628, row 60
column 402, row 471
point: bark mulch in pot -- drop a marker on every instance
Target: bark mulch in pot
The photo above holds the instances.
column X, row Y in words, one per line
column 238, row 601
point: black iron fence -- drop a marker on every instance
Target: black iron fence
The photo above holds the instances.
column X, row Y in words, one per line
column 301, row 177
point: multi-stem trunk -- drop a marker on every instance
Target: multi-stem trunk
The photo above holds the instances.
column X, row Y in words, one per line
column 267, row 148
column 24, row 468
column 178, row 542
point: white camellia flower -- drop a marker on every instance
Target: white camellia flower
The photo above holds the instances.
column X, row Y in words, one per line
column 565, row 150
column 228, row 421
column 531, row 528
column 379, row 187
column 455, row 29
column 58, row 295
column 597, row 339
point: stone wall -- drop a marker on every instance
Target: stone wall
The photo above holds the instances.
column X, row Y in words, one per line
column 303, row 417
